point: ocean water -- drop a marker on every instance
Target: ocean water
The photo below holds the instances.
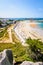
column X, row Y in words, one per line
column 38, row 20
column 40, row 25
column 39, row 28
column 29, row 27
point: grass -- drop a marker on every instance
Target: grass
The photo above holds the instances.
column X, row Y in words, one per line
column 3, row 32
column 17, row 49
column 5, row 46
column 6, row 35
column 14, row 37
column 20, row 52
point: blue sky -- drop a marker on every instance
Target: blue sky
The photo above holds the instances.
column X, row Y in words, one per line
column 21, row 8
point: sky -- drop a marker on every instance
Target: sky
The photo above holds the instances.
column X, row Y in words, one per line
column 21, row 8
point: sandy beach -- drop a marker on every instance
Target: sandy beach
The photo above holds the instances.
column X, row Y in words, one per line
column 25, row 30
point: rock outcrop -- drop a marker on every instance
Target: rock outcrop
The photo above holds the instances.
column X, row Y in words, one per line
column 6, row 57
column 31, row 63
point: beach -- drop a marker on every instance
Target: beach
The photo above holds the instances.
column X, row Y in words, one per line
column 28, row 29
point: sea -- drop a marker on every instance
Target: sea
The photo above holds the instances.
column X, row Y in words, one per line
column 39, row 25
column 39, row 21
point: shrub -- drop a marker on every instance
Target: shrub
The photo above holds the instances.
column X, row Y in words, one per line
column 35, row 49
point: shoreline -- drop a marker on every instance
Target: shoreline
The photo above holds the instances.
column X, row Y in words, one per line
column 24, row 30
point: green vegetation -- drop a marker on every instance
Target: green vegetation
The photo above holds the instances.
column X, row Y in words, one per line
column 32, row 52
column 14, row 37
column 0, row 22
column 2, row 32
column 6, row 35
column 35, row 49
column 17, row 49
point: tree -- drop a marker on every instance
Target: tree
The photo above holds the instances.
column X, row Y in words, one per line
column 0, row 23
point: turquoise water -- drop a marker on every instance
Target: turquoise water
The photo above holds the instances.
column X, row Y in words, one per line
column 38, row 20
column 40, row 25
